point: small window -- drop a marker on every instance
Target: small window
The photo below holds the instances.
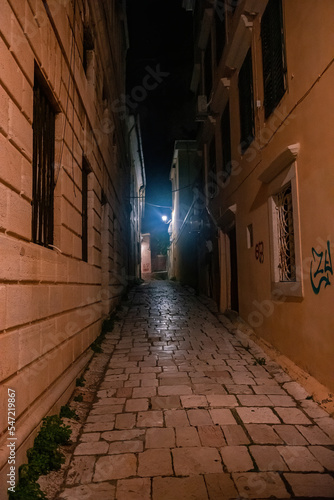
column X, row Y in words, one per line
column 273, row 55
column 285, row 234
column 88, row 48
column 43, row 164
column 84, row 194
column 246, row 103
column 225, row 130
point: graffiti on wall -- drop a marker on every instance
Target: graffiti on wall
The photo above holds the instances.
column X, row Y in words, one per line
column 259, row 255
column 321, row 268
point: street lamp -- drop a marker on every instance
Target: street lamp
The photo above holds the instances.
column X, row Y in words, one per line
column 164, row 218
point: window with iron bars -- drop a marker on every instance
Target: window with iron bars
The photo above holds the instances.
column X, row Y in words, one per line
column 246, row 103
column 43, row 165
column 285, row 232
column 84, row 194
column 273, row 55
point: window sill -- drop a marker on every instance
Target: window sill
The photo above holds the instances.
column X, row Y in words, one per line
column 282, row 290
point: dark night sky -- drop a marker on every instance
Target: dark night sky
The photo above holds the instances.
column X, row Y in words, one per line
column 160, row 34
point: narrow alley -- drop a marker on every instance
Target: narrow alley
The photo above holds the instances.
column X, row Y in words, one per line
column 187, row 410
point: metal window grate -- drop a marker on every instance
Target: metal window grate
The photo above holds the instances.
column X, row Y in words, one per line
column 43, row 167
column 246, row 102
column 85, row 173
column 273, row 55
column 287, row 265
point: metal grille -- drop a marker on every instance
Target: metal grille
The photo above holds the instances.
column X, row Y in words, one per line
column 273, row 55
column 287, row 266
column 246, row 102
column 43, row 168
column 85, row 172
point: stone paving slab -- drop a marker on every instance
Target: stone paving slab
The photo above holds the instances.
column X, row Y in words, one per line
column 185, row 412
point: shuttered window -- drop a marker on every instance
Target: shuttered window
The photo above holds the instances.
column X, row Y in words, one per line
column 226, row 139
column 246, row 102
column 273, row 55
column 43, row 166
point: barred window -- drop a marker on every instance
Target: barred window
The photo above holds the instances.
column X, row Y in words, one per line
column 273, row 55
column 84, row 194
column 246, row 103
column 225, row 130
column 43, row 165
column 285, row 233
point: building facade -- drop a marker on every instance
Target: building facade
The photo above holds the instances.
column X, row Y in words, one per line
column 263, row 75
column 64, row 176
column 137, row 196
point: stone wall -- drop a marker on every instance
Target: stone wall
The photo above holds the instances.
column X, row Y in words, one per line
column 51, row 301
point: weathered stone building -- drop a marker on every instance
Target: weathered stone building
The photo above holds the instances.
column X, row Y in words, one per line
column 263, row 75
column 64, row 197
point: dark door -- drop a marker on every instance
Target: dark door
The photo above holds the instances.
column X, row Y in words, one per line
column 234, row 270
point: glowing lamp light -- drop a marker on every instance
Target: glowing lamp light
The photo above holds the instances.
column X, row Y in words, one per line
column 164, row 218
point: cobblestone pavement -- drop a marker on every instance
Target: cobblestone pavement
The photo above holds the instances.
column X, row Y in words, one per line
column 185, row 411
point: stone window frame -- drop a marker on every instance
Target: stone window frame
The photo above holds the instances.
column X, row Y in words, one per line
column 280, row 173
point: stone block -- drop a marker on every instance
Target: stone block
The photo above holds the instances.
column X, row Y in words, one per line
column 29, row 345
column 164, row 488
column 10, row 74
column 81, row 470
column 9, row 348
column 311, row 485
column 115, row 467
column 211, row 435
column 19, row 305
column 236, row 458
column 21, row 50
column 19, row 216
column 257, row 416
column 299, row 459
column 220, row 486
column 260, row 485
column 193, row 461
column 160, row 438
column 267, row 458
column 20, row 130
column 155, row 463
column 134, row 489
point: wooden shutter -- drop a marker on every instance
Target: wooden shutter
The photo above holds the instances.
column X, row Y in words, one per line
column 273, row 55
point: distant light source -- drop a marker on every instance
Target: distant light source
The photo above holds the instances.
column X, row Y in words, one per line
column 164, row 218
